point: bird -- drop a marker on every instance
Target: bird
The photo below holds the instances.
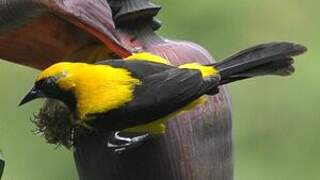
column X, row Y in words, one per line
column 140, row 93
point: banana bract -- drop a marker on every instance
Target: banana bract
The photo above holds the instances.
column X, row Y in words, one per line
column 38, row 33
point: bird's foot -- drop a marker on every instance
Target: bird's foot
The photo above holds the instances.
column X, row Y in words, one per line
column 120, row 144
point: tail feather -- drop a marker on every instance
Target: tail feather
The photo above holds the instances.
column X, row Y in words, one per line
column 265, row 59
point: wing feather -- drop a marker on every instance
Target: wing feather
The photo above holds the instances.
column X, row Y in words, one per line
column 159, row 95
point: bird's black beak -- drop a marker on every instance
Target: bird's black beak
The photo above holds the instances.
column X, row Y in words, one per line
column 34, row 93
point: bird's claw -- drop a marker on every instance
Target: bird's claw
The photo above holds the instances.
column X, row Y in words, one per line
column 121, row 144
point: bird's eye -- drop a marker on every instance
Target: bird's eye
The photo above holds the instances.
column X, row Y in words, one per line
column 39, row 84
column 47, row 85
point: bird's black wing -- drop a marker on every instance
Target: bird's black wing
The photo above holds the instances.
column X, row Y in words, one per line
column 139, row 68
column 159, row 95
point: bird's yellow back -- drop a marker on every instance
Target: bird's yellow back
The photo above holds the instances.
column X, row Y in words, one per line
column 206, row 71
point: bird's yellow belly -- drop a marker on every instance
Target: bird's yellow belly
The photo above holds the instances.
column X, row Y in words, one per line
column 158, row 126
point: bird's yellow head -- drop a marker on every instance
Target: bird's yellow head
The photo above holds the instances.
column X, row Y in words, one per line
column 85, row 88
column 57, row 82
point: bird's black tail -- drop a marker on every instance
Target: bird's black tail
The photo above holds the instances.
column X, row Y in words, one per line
column 265, row 59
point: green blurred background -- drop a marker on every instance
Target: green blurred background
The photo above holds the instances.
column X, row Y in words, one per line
column 276, row 120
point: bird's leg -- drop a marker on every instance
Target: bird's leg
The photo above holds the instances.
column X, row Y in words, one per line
column 121, row 144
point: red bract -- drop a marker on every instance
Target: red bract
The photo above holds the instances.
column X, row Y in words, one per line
column 197, row 144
